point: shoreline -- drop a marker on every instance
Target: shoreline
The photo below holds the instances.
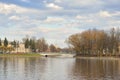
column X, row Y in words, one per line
column 21, row 55
column 55, row 55
column 97, row 57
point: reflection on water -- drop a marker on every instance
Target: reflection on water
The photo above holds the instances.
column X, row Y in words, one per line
column 59, row 69
column 21, row 68
column 96, row 69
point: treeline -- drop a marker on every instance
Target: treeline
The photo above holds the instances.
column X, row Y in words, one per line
column 4, row 48
column 39, row 45
column 96, row 42
column 31, row 44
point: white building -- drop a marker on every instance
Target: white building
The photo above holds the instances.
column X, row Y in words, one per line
column 21, row 49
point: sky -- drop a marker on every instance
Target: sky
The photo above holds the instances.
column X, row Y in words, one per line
column 56, row 20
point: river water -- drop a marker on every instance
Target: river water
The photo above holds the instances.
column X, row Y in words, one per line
column 35, row 68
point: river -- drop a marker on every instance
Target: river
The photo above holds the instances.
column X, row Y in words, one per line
column 35, row 68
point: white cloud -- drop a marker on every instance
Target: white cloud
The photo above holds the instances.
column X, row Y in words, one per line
column 6, row 9
column 89, row 20
column 86, row 19
column 53, row 6
column 82, row 3
column 22, row 19
column 14, row 18
column 108, row 14
column 20, row 32
column 54, row 19
column 104, row 14
column 116, row 13
column 45, row 29
column 57, row 1
column 12, row 9
column 80, row 17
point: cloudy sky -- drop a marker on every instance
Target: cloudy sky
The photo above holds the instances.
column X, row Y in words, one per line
column 55, row 20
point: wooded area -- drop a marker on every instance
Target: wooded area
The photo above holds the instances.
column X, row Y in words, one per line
column 96, row 42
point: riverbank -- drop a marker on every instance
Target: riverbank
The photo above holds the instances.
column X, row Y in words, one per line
column 37, row 55
column 111, row 57
column 103, row 55
column 21, row 55
column 53, row 55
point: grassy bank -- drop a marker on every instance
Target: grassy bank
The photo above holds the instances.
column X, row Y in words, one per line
column 21, row 55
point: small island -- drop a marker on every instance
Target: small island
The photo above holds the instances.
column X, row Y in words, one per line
column 93, row 43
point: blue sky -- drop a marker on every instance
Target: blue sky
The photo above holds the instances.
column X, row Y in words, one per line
column 55, row 20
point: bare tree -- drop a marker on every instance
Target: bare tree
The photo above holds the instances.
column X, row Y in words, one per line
column 41, row 45
column 95, row 42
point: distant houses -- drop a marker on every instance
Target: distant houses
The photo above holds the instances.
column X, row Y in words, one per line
column 21, row 49
column 29, row 44
column 12, row 49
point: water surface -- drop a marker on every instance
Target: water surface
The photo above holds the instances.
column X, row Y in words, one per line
column 35, row 68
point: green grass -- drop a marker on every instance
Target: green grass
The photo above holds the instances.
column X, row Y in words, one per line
column 21, row 55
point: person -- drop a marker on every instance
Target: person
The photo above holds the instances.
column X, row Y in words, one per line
column 46, row 55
